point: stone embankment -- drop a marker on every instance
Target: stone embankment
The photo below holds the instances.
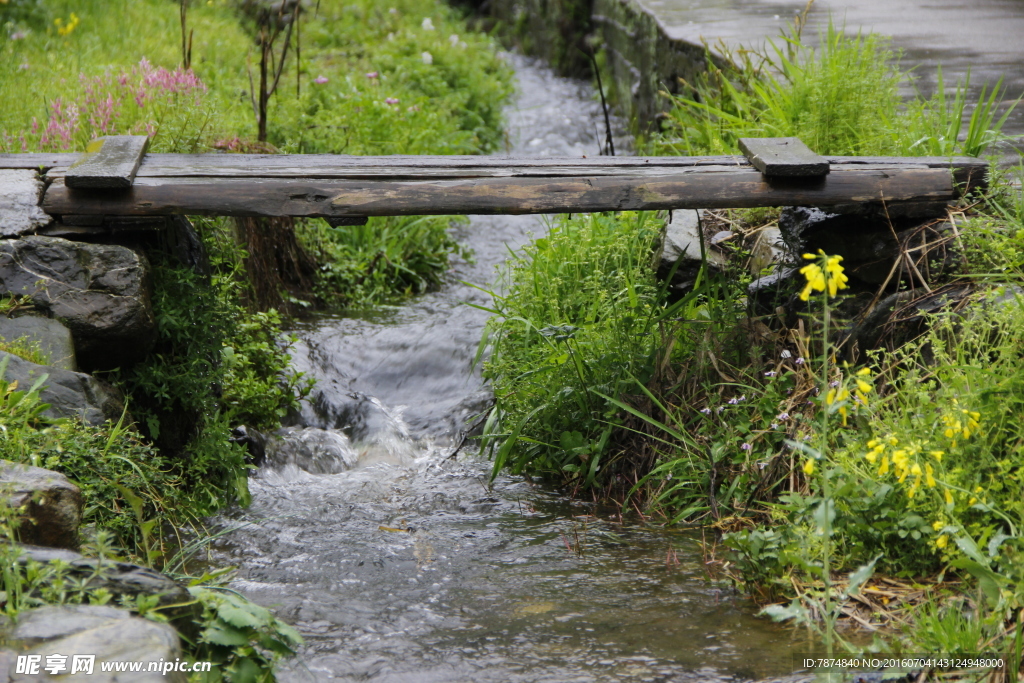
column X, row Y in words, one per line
column 643, row 61
column 78, row 298
column 46, row 510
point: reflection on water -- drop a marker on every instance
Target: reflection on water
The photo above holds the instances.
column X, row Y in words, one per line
column 398, row 563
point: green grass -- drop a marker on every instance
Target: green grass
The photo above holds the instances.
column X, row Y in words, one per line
column 841, row 98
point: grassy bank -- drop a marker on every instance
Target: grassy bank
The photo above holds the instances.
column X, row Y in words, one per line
column 358, row 77
column 893, row 477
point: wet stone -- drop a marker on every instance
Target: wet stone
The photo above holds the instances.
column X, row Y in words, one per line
column 52, row 504
column 109, row 634
column 52, row 337
column 100, row 291
column 70, row 394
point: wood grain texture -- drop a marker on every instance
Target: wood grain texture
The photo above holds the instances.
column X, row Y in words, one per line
column 723, row 188
column 967, row 172
column 783, row 157
column 37, row 161
column 109, row 162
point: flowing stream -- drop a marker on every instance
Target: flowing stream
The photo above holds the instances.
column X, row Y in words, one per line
column 398, row 563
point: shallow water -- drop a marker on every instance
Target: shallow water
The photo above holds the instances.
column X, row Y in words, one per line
column 398, row 563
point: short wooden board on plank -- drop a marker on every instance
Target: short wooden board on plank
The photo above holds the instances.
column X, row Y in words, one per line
column 783, row 157
column 109, row 163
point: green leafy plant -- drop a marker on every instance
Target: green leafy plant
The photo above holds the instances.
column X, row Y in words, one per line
column 242, row 639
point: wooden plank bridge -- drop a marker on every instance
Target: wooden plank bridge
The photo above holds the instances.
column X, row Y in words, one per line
column 116, row 178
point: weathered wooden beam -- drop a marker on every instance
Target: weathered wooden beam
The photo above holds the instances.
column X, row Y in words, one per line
column 37, row 161
column 714, row 187
column 783, row 157
column 412, row 167
column 109, row 162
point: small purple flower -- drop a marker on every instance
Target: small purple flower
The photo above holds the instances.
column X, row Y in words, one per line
column 775, row 425
column 706, row 411
column 733, row 401
column 391, row 100
column 720, row 409
column 782, row 417
column 834, row 383
column 373, row 74
column 746, row 447
column 770, row 373
column 18, row 35
column 799, row 360
column 320, row 80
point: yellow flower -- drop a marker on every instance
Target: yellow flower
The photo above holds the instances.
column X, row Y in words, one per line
column 837, row 279
column 949, row 497
column 938, row 455
column 808, row 467
column 64, row 29
column 884, row 469
column 815, row 280
column 871, row 456
column 937, row 525
column 929, row 478
column 864, row 372
column 941, row 541
column 863, row 386
column 972, row 501
column 831, row 278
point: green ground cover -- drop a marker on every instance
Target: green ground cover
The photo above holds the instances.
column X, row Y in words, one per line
column 902, row 471
column 365, row 77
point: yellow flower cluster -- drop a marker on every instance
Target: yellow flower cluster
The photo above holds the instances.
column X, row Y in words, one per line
column 961, row 424
column 904, row 463
column 819, row 279
column 66, row 29
column 839, row 395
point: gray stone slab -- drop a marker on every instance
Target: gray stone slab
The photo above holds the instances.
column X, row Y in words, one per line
column 108, row 634
column 20, row 192
column 70, row 394
column 52, row 505
column 53, row 338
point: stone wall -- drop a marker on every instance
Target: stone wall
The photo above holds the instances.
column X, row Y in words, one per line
column 641, row 60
